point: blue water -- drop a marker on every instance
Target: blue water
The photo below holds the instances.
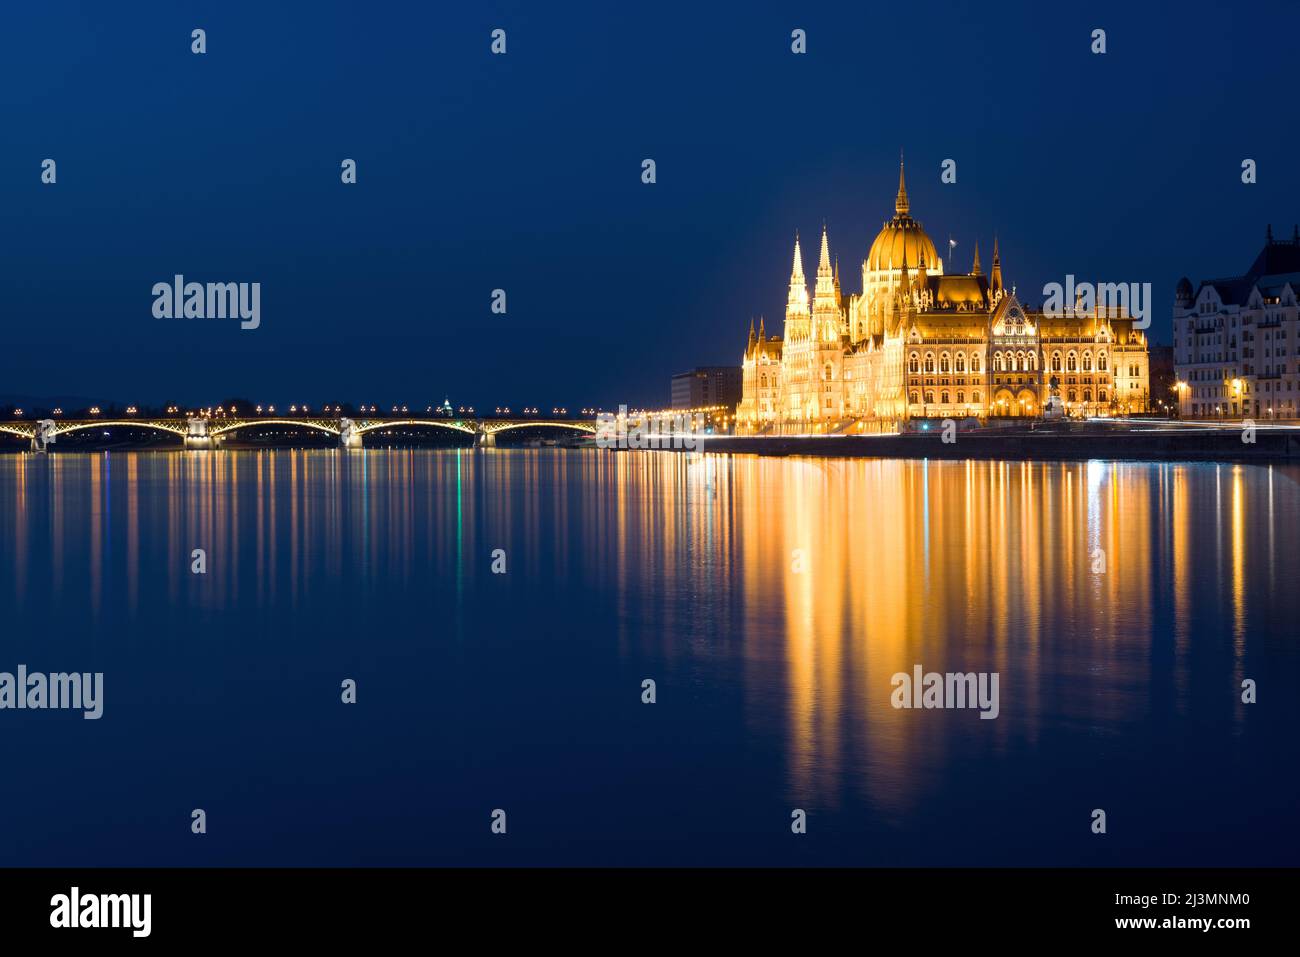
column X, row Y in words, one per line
column 1120, row 688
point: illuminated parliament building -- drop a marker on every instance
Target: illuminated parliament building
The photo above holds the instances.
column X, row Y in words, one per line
column 917, row 343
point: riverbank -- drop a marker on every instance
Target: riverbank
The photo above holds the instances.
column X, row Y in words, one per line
column 1133, row 444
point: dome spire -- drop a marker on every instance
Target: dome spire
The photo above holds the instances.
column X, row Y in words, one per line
column 900, row 204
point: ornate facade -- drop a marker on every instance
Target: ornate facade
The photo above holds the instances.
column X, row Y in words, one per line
column 917, row 343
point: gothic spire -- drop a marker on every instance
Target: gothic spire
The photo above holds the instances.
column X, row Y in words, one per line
column 975, row 269
column 824, row 265
column 798, row 300
column 900, row 204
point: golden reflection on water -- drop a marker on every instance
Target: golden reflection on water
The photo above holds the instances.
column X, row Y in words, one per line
column 821, row 578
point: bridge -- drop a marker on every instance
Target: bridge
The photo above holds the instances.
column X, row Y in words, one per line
column 203, row 432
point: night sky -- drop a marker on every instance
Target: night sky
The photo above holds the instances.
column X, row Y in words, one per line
column 523, row 172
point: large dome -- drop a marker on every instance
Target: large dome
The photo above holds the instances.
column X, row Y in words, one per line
column 901, row 240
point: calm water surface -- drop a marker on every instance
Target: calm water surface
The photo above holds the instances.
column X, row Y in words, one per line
column 1119, row 689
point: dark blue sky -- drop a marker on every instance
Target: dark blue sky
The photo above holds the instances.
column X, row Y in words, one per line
column 523, row 172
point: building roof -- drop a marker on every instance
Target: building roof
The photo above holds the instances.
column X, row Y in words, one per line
column 1277, row 264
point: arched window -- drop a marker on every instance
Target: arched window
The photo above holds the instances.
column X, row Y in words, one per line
column 961, row 396
column 1087, row 395
column 1012, row 363
column 943, row 397
column 1101, row 361
column 975, row 396
column 828, row 373
column 944, row 363
column 1056, row 362
column 1101, row 395
column 914, row 363
column 929, row 362
column 997, row 362
column 961, row 362
column 1073, row 396
column 929, row 397
column 1071, row 363
column 974, row 362
column 912, row 398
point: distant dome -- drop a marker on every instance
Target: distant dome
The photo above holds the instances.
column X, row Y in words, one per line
column 1184, row 291
column 901, row 239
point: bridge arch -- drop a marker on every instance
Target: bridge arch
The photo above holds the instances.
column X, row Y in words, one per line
column 17, row 430
column 492, row 428
column 118, row 423
column 454, row 425
column 217, row 427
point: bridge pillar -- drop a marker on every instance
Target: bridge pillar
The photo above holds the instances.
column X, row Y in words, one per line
column 484, row 439
column 197, row 437
column 349, row 437
column 43, row 435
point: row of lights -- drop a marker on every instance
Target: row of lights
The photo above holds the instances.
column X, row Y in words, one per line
column 336, row 409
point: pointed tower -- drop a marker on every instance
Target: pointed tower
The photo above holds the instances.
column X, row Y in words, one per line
column 902, row 295
column 796, row 307
column 901, row 206
column 749, row 349
column 826, row 307
column 995, row 278
column 975, row 267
